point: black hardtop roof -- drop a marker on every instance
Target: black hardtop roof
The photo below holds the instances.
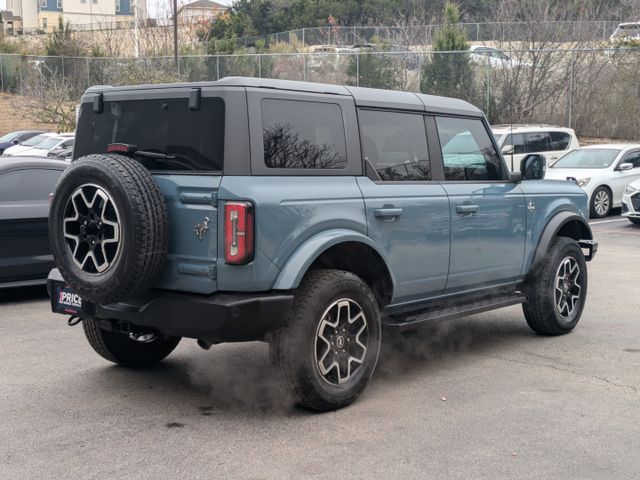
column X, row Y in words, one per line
column 365, row 97
column 9, row 163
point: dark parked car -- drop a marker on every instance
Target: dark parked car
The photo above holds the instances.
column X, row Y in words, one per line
column 13, row 138
column 25, row 185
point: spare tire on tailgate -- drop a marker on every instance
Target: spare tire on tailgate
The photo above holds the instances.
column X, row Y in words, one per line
column 108, row 227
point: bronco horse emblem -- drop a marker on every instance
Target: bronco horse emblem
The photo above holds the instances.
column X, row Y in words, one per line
column 201, row 228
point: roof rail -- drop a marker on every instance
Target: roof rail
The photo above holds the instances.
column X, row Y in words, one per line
column 520, row 125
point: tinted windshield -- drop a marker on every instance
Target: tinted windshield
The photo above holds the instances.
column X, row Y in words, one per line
column 193, row 139
column 588, row 158
column 9, row 136
column 33, row 141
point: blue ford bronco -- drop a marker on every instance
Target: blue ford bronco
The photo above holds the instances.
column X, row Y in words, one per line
column 305, row 215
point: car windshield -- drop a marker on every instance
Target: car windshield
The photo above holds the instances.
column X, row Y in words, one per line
column 52, row 142
column 588, row 158
column 37, row 140
column 9, row 136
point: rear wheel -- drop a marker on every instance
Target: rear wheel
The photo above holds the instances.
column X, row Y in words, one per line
column 600, row 202
column 556, row 294
column 120, row 348
column 329, row 347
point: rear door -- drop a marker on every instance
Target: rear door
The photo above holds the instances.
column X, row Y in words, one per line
column 24, row 212
column 558, row 146
column 407, row 212
column 487, row 210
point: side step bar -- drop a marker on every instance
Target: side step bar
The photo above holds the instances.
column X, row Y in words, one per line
column 458, row 309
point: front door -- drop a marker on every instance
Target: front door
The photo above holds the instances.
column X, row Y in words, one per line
column 487, row 210
column 623, row 178
column 407, row 213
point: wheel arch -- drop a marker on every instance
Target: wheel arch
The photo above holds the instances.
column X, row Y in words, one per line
column 563, row 224
column 343, row 250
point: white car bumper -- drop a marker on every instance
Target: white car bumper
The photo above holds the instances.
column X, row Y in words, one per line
column 631, row 205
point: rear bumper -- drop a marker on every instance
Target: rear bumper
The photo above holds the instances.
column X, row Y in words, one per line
column 221, row 317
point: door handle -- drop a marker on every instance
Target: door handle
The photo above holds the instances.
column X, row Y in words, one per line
column 392, row 212
column 466, row 209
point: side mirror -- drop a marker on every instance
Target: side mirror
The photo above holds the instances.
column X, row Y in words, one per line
column 623, row 167
column 515, row 177
column 533, row 167
column 507, row 149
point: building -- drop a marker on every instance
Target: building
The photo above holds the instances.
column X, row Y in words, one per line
column 11, row 23
column 200, row 10
column 43, row 15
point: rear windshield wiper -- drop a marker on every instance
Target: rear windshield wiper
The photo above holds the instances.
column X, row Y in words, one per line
column 154, row 155
column 165, row 158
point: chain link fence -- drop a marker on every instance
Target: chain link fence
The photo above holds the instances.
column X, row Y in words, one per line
column 594, row 91
column 556, row 31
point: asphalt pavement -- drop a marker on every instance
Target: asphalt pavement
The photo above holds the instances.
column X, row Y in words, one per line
column 479, row 397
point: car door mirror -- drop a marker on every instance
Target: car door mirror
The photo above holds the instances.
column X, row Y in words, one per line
column 507, row 149
column 623, row 167
column 533, row 167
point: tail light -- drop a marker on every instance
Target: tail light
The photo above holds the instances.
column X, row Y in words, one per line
column 238, row 233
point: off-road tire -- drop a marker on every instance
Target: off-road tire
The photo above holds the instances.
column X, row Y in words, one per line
column 540, row 309
column 144, row 227
column 120, row 349
column 292, row 347
column 592, row 207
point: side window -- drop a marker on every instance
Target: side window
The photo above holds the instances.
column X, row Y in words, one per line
column 517, row 141
column 560, row 140
column 538, row 142
column 467, row 151
column 28, row 185
column 297, row 134
column 395, row 145
column 632, row 158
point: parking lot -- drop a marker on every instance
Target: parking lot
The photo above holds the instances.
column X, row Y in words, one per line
column 479, row 397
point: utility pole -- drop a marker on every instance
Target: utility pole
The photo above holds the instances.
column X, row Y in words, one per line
column 175, row 33
column 136, row 34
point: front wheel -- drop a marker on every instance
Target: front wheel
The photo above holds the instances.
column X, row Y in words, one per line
column 120, row 349
column 600, row 202
column 556, row 294
column 330, row 344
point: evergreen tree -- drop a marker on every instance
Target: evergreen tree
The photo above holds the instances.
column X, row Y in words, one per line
column 449, row 74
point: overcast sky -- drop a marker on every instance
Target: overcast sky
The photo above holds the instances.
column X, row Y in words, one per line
column 153, row 5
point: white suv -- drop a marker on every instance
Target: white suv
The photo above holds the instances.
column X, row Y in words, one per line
column 517, row 141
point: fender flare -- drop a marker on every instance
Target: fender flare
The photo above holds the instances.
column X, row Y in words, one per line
column 551, row 231
column 299, row 262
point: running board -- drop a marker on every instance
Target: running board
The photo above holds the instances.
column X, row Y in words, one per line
column 460, row 309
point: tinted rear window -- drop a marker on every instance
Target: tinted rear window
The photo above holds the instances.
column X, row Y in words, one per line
column 195, row 139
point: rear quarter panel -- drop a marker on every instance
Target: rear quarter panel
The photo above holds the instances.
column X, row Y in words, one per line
column 288, row 212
